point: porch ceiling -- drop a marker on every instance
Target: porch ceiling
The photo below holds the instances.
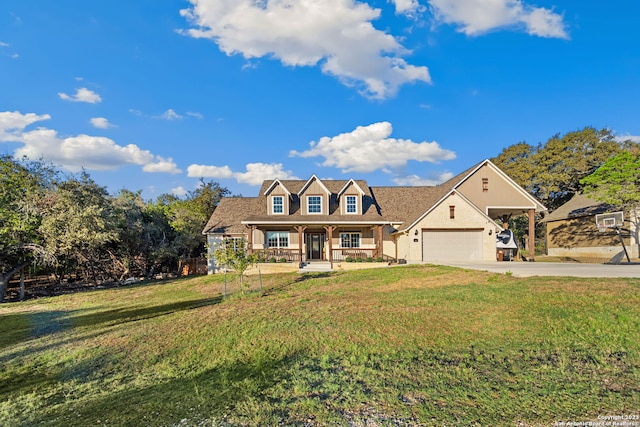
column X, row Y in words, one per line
column 497, row 213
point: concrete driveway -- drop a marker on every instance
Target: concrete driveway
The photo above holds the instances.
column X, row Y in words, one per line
column 528, row 269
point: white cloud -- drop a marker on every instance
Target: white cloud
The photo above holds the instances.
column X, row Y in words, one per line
column 627, row 137
column 258, row 172
column 82, row 95
column 336, row 35
column 415, row 180
column 255, row 174
column 75, row 152
column 407, row 7
column 179, row 191
column 100, row 123
column 162, row 165
column 202, row 171
column 480, row 16
column 170, row 115
column 195, row 114
column 369, row 148
column 12, row 123
column 10, row 55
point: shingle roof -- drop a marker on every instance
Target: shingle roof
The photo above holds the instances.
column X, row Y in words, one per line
column 398, row 205
column 404, row 205
column 226, row 218
column 579, row 205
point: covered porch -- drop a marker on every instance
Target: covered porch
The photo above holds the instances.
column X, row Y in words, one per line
column 503, row 215
column 304, row 243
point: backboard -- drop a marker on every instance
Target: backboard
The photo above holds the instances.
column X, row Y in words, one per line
column 610, row 220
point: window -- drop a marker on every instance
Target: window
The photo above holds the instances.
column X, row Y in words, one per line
column 237, row 243
column 485, row 185
column 314, row 204
column 277, row 204
column 352, row 204
column 349, row 240
column 452, row 212
column 277, row 239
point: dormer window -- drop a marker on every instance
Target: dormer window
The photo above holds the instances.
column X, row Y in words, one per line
column 351, row 204
column 277, row 204
column 314, row 204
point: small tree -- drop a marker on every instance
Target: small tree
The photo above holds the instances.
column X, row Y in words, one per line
column 617, row 181
column 233, row 254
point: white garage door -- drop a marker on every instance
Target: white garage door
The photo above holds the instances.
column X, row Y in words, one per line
column 452, row 245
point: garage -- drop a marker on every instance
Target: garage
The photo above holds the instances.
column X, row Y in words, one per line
column 452, row 245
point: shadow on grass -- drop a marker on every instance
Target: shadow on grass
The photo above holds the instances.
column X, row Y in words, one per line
column 21, row 327
column 236, row 388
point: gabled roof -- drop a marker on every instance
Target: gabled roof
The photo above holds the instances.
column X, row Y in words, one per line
column 579, row 206
column 350, row 182
column 400, row 206
column 309, row 181
column 403, row 205
column 273, row 185
column 442, row 199
column 457, row 181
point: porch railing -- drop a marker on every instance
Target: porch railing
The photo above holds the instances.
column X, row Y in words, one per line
column 339, row 255
column 354, row 253
column 291, row 255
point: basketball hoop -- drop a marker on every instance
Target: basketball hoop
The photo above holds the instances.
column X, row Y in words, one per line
column 607, row 221
column 613, row 221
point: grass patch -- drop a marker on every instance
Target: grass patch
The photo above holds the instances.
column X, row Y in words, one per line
column 412, row 345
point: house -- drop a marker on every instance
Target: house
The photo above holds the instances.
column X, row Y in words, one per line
column 330, row 220
column 572, row 231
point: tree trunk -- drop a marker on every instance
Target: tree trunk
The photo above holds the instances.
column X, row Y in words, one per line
column 4, row 279
column 22, row 285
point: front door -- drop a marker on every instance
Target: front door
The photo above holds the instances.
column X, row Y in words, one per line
column 315, row 242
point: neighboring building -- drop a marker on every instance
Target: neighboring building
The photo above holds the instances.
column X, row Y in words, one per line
column 331, row 220
column 572, row 231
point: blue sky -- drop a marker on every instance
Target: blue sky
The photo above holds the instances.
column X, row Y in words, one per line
column 154, row 95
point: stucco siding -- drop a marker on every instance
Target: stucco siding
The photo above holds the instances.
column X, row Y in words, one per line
column 465, row 218
column 579, row 236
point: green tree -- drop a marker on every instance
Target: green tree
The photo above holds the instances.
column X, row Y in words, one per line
column 617, row 181
column 233, row 254
column 552, row 171
column 77, row 224
column 188, row 217
column 22, row 186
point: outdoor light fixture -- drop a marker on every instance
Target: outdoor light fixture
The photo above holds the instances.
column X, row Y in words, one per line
column 416, row 232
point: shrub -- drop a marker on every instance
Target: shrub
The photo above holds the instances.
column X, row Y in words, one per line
column 358, row 259
column 369, row 259
column 348, row 259
column 379, row 259
column 272, row 259
column 283, row 259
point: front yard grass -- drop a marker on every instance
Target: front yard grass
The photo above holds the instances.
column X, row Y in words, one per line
column 412, row 345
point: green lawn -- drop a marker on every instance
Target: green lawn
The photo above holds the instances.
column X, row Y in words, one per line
column 409, row 346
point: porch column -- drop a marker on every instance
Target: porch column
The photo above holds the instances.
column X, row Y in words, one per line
column 394, row 237
column 330, row 229
column 379, row 242
column 250, row 238
column 532, row 235
column 300, row 229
